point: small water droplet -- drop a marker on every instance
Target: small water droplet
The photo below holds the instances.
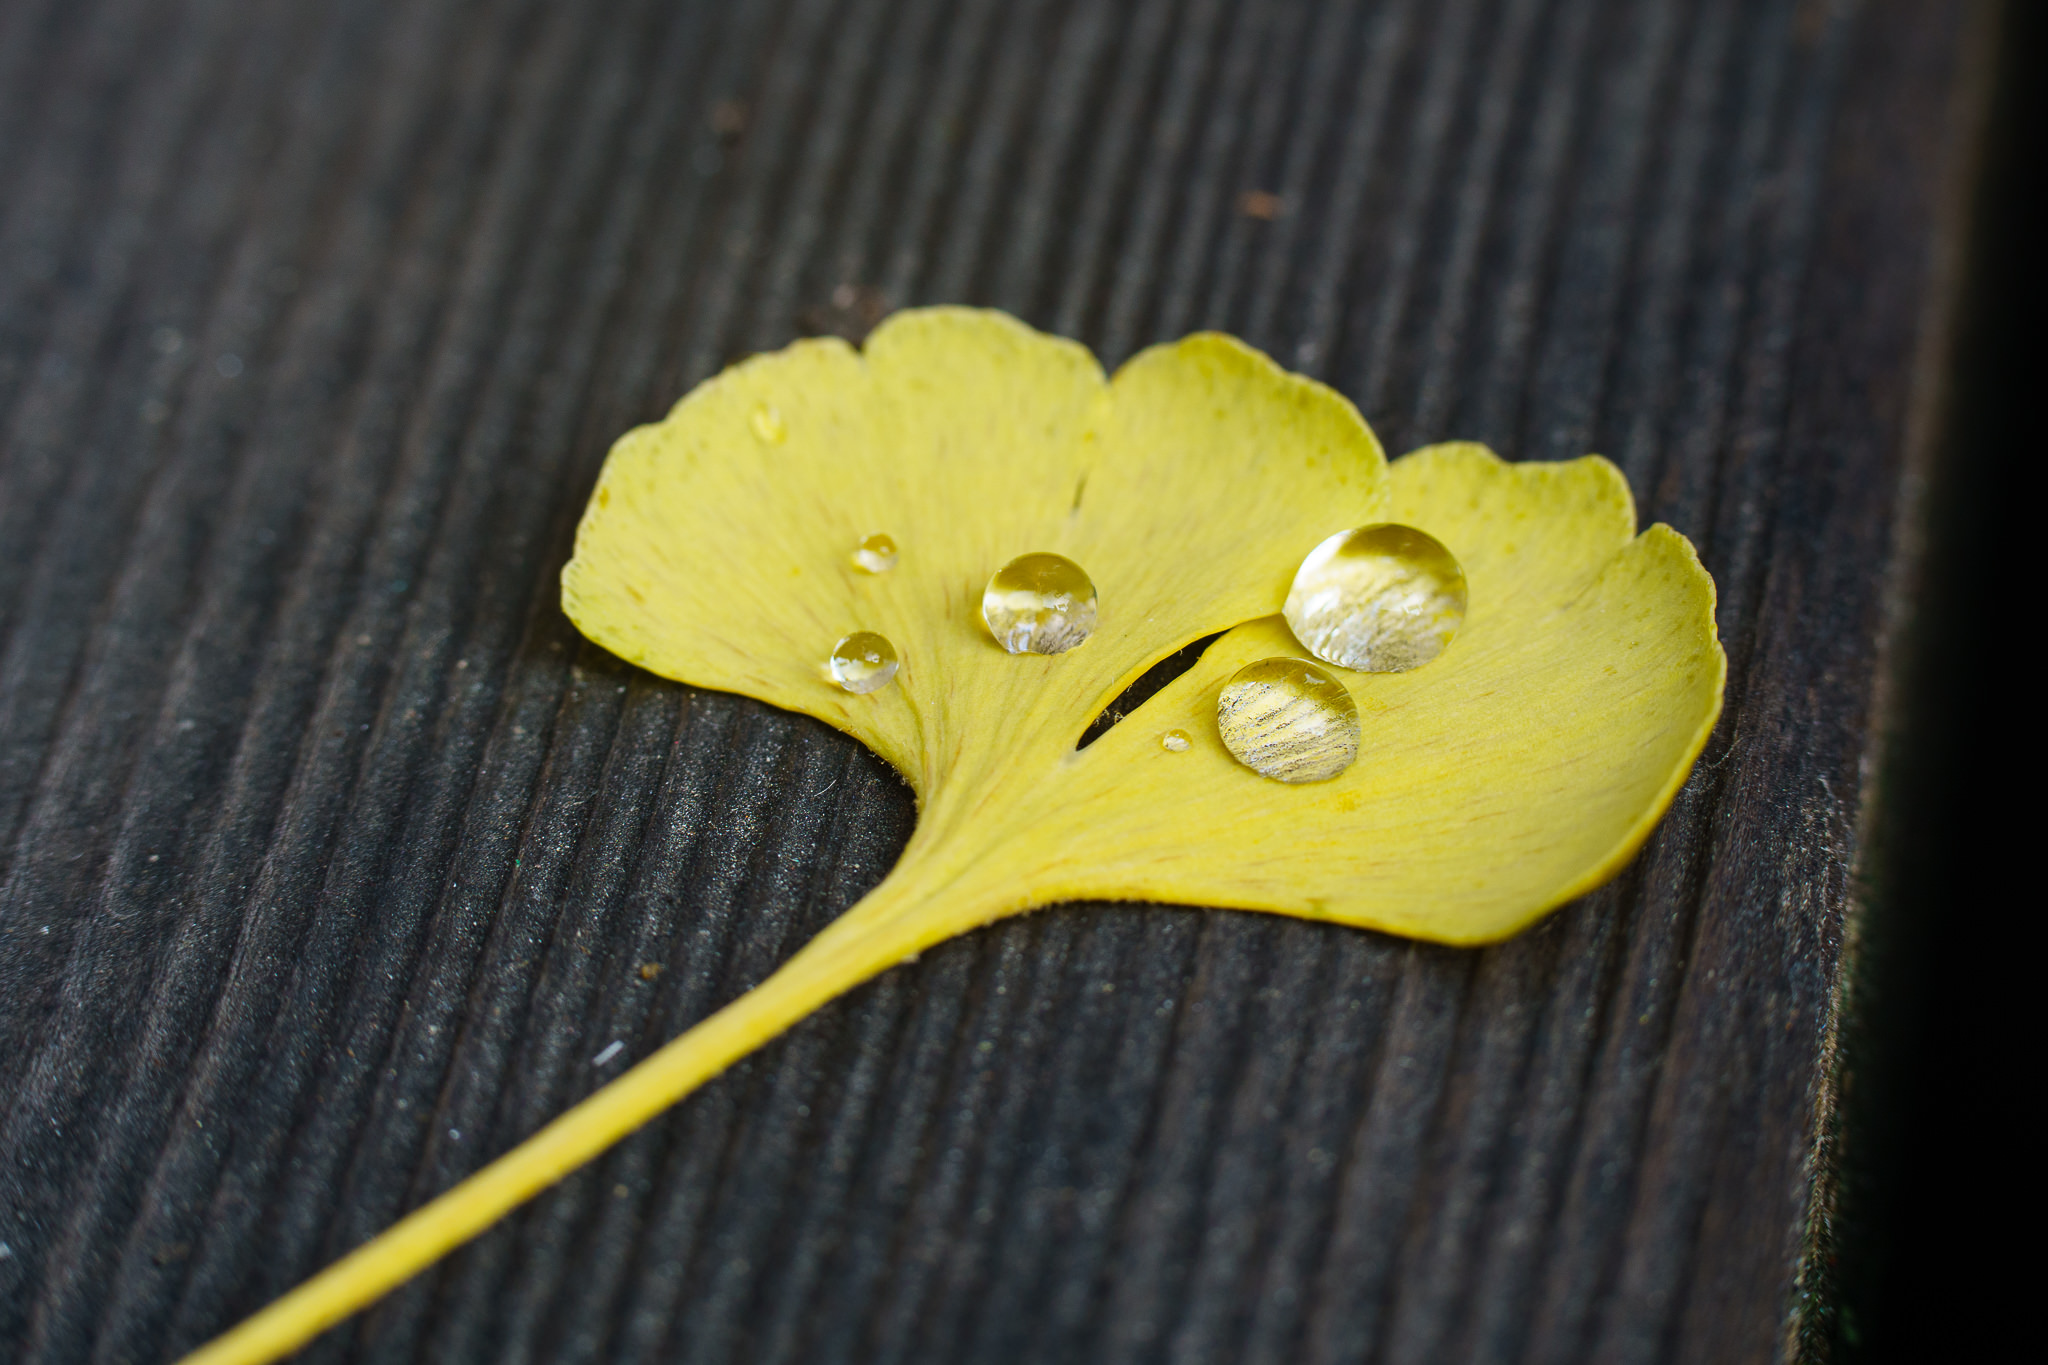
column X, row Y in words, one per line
column 768, row 424
column 1289, row 720
column 876, row 554
column 863, row 661
column 1176, row 741
column 1381, row 599
column 1040, row 604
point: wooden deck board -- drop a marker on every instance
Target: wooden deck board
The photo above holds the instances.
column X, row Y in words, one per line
column 329, row 853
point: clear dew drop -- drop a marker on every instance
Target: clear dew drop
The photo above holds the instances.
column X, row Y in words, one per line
column 1176, row 741
column 1289, row 720
column 1040, row 604
column 1380, row 599
column 768, row 424
column 876, row 554
column 862, row 662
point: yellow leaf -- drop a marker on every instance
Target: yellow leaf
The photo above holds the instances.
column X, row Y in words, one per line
column 1521, row 768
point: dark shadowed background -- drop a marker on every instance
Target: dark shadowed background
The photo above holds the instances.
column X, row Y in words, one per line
column 330, row 856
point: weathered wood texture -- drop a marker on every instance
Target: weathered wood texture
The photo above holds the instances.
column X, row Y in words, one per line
column 330, row 854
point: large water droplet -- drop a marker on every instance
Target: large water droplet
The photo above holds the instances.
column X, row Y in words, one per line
column 876, row 554
column 1176, row 741
column 1288, row 719
column 1039, row 604
column 1381, row 599
column 863, row 661
column 768, row 424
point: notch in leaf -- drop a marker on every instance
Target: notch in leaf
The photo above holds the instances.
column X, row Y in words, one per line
column 1520, row 769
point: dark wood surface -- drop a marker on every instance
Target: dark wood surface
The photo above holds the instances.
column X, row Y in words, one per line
column 329, row 855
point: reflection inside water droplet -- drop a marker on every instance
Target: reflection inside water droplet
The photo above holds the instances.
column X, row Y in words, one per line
column 876, row 554
column 1288, row 719
column 863, row 661
column 768, row 424
column 1176, row 741
column 1039, row 604
column 1382, row 599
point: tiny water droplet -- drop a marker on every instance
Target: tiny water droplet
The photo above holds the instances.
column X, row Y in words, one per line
column 1040, row 604
column 768, row 424
column 1381, row 599
column 863, row 661
column 1176, row 741
column 876, row 554
column 1288, row 720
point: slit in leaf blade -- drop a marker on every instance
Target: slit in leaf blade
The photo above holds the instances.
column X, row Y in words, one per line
column 1149, row 683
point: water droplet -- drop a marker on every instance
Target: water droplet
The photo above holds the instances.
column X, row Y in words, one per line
column 876, row 554
column 1176, row 741
column 1040, row 604
column 1288, row 719
column 863, row 661
column 1381, row 599
column 768, row 424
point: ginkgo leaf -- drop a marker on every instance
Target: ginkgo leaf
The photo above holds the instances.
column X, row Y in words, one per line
column 1519, row 769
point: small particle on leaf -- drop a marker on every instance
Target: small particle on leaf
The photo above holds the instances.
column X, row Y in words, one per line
column 649, row 970
column 611, row 1050
column 768, row 425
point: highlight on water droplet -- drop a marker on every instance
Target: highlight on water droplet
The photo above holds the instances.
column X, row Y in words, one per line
column 1040, row 604
column 768, row 424
column 1176, row 741
column 1380, row 599
column 1289, row 720
column 863, row 661
column 876, row 554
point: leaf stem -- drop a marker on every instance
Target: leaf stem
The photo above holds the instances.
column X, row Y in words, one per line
column 870, row 938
